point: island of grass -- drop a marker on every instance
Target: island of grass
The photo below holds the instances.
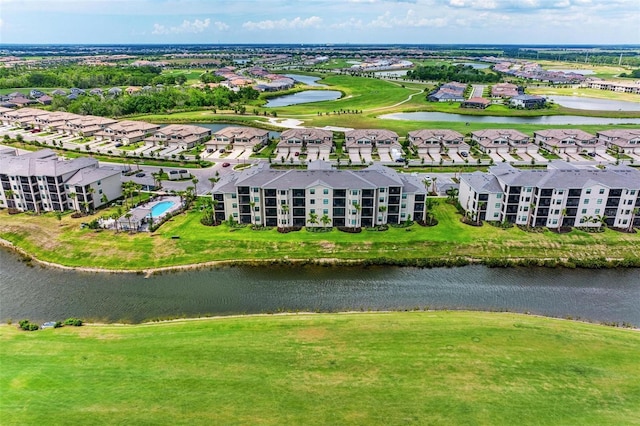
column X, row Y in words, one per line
column 361, row 368
column 185, row 242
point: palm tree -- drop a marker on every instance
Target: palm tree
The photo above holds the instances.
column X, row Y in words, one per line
column 382, row 209
column 481, row 206
column 10, row 200
column 128, row 216
column 587, row 219
column 325, row 219
column 602, row 219
column 195, row 184
column 91, row 191
column 635, row 213
column 452, row 194
column 252, row 204
column 73, row 196
column 59, row 217
column 532, row 208
column 428, row 206
column 313, row 218
column 563, row 213
column 285, row 212
column 86, row 205
column 358, row 208
column 434, row 189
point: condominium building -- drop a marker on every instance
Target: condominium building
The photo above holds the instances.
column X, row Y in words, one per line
column 40, row 181
column 501, row 140
column 363, row 141
column 626, row 141
column 319, row 196
column 562, row 195
column 237, row 137
column 568, row 141
column 435, row 141
column 182, row 136
column 313, row 140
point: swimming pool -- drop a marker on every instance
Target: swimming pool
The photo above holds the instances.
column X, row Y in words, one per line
column 159, row 209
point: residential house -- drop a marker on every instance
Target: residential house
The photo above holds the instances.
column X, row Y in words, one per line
column 297, row 140
column 626, row 141
column 568, row 141
column 502, row 140
column 53, row 121
column 478, row 103
column 127, row 131
column 86, row 125
column 563, row 195
column 285, row 198
column 436, row 141
column 364, row 140
column 40, row 181
column 22, row 117
column 182, row 136
column 238, row 137
column 505, row 90
column 527, row 101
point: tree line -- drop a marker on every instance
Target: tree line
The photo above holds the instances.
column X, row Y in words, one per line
column 154, row 101
column 461, row 73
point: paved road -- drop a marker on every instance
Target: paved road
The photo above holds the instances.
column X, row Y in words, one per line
column 477, row 91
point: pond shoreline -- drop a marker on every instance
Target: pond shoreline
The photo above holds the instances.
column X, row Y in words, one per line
column 594, row 262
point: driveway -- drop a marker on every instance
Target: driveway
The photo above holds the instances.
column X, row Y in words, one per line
column 477, row 90
column 384, row 156
column 354, row 156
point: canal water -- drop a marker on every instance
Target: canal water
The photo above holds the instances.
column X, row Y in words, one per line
column 593, row 104
column 40, row 294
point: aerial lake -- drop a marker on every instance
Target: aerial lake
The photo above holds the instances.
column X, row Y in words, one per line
column 41, row 294
column 546, row 119
column 304, row 97
column 305, row 79
column 593, row 104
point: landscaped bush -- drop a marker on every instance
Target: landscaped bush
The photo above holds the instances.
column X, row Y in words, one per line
column 260, row 228
column 502, row 225
column 349, row 230
column 26, row 325
column 286, row 230
column 378, row 228
column 318, row 230
column 73, row 321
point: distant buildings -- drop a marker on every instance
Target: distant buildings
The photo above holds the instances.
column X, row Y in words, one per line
column 237, row 137
column 527, row 101
column 448, row 92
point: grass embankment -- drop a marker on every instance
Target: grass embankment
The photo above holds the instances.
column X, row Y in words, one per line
column 45, row 238
column 376, row 368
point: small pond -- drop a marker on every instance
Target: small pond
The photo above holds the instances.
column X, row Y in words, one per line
column 304, row 97
column 593, row 104
column 473, row 65
column 305, row 79
column 543, row 120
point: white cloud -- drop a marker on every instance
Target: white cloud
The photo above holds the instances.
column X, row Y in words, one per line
column 284, row 24
column 410, row 20
column 221, row 26
column 1, row 22
column 197, row 26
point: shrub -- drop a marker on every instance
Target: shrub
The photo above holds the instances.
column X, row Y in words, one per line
column 286, row 230
column 26, row 325
column 349, row 230
column 73, row 321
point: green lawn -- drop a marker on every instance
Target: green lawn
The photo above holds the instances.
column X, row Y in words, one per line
column 65, row 243
column 329, row 369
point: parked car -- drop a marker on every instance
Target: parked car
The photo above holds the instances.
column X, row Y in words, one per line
column 400, row 160
column 118, row 145
column 221, row 150
column 140, row 174
column 591, row 154
column 296, row 154
column 225, row 164
column 464, row 154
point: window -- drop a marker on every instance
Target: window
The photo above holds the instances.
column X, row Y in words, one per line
column 234, row 196
column 234, row 205
column 325, row 211
column 403, row 205
column 586, row 201
column 354, row 202
column 528, row 189
column 312, row 210
column 599, row 201
column 597, row 211
column 632, row 192
column 496, row 214
column 99, row 191
column 584, row 211
column 588, row 191
column 498, row 195
column 256, row 209
column 99, row 182
column 381, row 199
column 354, row 192
column 283, row 192
column 283, row 202
column 404, row 196
column 325, row 191
column 601, row 191
column 312, row 191
column 256, row 199
column 382, row 190
column 312, row 201
column 325, row 201
column 257, row 218
column 497, row 205
column 554, row 221
column 255, row 189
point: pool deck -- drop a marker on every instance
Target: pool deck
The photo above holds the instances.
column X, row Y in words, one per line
column 139, row 221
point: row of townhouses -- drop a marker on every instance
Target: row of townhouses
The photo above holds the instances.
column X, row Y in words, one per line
column 319, row 142
column 41, row 182
column 285, row 198
column 120, row 131
column 560, row 196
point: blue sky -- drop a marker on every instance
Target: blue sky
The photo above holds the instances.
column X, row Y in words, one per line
column 321, row 21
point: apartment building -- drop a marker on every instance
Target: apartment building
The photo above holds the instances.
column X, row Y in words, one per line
column 127, row 131
column 502, row 140
column 40, row 181
column 363, row 141
column 319, row 196
column 294, row 140
column 626, row 141
column 563, row 195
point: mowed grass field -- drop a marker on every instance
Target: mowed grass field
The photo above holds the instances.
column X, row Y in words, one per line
column 328, row 369
column 63, row 242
